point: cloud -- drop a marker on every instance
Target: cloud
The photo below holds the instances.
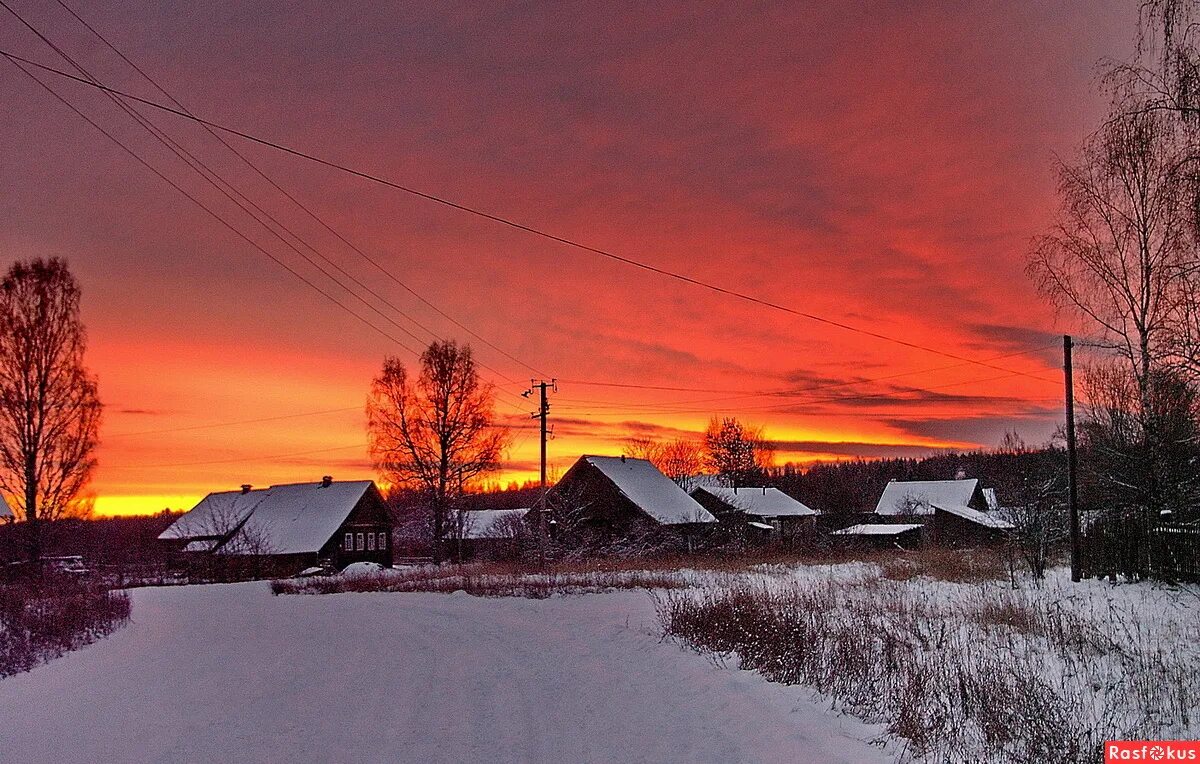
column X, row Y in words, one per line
column 850, row 449
column 983, row 431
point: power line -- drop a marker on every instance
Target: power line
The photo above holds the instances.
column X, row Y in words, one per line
column 232, row 461
column 779, row 406
column 16, row 62
column 219, row 183
column 790, row 392
column 298, row 203
column 528, row 228
column 233, row 423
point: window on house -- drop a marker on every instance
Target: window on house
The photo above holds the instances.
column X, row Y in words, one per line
column 371, row 542
column 361, row 542
column 348, row 544
column 383, row 540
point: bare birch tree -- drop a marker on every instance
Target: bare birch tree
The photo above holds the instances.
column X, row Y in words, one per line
column 435, row 433
column 49, row 405
column 1121, row 255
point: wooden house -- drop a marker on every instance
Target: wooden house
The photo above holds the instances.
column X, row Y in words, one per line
column 951, row 512
column 286, row 528
column 762, row 515
column 612, row 500
column 915, row 498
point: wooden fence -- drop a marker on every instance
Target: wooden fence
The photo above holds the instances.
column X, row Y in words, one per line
column 1140, row 550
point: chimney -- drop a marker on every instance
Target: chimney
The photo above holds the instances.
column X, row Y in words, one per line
column 326, row 480
column 246, row 487
column 622, row 458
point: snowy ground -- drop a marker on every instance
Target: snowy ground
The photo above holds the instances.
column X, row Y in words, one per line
column 232, row 674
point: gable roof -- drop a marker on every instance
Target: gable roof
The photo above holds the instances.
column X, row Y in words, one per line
column 986, row 519
column 297, row 518
column 491, row 523
column 764, row 502
column 926, row 493
column 5, row 510
column 216, row 516
column 651, row 491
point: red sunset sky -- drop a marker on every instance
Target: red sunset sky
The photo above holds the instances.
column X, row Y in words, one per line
column 880, row 164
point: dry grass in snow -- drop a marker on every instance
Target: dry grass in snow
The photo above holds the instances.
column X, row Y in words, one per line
column 961, row 671
column 486, row 581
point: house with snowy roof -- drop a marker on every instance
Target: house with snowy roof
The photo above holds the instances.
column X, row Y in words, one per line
column 610, row 500
column 952, row 512
column 289, row 527
column 6, row 513
column 760, row 514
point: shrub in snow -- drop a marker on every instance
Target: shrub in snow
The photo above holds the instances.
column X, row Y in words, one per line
column 41, row 620
column 361, row 569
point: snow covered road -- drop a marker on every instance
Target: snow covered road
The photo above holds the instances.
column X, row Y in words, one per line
column 233, row 674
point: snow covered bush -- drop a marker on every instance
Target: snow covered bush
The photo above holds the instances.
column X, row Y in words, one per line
column 964, row 672
column 41, row 620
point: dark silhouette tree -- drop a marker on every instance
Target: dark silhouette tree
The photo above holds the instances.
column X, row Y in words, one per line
column 49, row 405
column 435, row 433
column 736, row 452
column 680, row 459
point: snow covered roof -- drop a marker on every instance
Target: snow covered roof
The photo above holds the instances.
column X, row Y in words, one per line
column 761, row 526
column 653, row 492
column 491, row 523
column 986, row 519
column 5, row 510
column 297, row 518
column 764, row 502
column 216, row 516
column 876, row 529
column 923, row 494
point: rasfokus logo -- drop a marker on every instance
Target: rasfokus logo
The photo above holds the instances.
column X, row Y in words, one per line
column 1151, row 750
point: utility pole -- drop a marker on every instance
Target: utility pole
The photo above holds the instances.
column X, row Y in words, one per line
column 543, row 413
column 1072, row 462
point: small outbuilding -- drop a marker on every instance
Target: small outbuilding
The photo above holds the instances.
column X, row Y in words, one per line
column 882, row 535
column 955, row 526
column 492, row 533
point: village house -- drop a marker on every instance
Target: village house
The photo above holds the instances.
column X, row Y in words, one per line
column 950, row 512
column 616, row 500
column 287, row 528
column 762, row 515
column 6, row 513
